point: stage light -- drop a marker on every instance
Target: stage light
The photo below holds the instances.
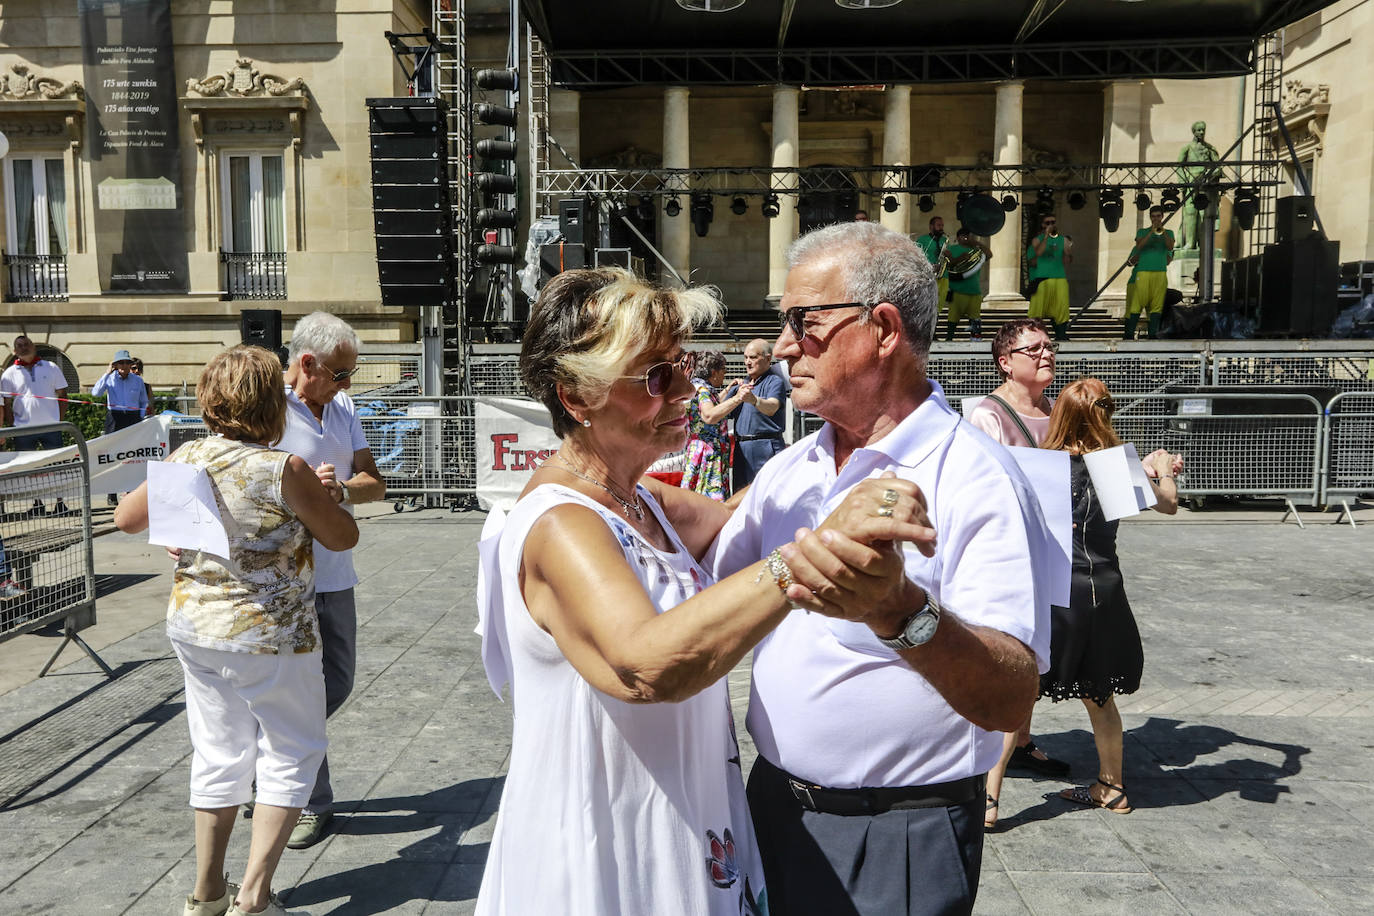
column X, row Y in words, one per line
column 926, row 203
column 1143, row 201
column 1044, row 201
column 672, row 207
column 1246, row 207
column 1077, row 200
column 703, row 211
column 865, row 4
column 1169, row 199
column 1201, row 200
column 890, row 203
column 771, row 208
column 738, row 206
column 710, row 6
column 1109, row 208
column 645, row 209
column 1010, row 203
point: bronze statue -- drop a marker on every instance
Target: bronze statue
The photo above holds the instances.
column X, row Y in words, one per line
column 1198, row 150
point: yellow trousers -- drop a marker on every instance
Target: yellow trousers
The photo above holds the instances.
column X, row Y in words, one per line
column 965, row 305
column 1150, row 286
column 1051, row 300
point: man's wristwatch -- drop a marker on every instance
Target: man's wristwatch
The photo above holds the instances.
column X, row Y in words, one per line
column 917, row 629
column 343, row 487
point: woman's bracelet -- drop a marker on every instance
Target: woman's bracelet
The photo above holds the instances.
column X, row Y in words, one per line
column 774, row 565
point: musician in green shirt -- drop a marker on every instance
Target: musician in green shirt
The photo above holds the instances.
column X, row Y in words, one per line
column 966, row 287
column 1048, row 253
column 1154, row 249
column 933, row 244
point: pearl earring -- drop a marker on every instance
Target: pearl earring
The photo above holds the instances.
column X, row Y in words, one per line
column 586, row 422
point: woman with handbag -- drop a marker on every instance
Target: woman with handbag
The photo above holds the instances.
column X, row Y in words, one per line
column 1018, row 413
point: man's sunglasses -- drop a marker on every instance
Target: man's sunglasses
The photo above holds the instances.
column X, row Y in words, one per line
column 658, row 379
column 794, row 319
column 339, row 375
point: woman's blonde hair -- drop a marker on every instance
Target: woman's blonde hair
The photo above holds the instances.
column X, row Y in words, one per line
column 242, row 395
column 589, row 325
column 1081, row 420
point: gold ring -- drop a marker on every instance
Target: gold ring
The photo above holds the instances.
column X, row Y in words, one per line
column 890, row 497
column 885, row 512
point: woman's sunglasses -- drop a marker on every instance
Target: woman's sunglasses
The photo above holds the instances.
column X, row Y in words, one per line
column 658, row 379
column 1107, row 405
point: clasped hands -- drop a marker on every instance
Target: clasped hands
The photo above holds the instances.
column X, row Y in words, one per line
column 851, row 566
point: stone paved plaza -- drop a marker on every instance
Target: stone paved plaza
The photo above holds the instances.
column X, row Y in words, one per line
column 1246, row 747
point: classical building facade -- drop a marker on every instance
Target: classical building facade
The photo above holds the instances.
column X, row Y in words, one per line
column 275, row 180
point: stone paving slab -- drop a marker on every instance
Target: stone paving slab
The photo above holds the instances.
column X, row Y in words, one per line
column 1246, row 746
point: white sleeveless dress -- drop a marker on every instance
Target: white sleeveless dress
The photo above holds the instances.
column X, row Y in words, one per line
column 609, row 807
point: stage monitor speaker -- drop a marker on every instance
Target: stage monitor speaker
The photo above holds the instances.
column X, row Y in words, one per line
column 410, row 203
column 261, row 328
column 1295, row 218
column 577, row 220
column 1298, row 288
column 556, row 257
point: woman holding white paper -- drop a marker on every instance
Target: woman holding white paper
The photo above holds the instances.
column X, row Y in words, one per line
column 245, row 630
column 1095, row 649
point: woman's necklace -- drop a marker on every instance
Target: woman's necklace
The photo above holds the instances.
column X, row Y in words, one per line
column 629, row 505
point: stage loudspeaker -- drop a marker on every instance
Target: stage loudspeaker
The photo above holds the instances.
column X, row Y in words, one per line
column 556, row 257
column 577, row 220
column 1294, row 218
column 410, row 204
column 1298, row 287
column 260, row 328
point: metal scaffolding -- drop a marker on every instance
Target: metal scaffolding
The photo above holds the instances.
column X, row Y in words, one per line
column 442, row 326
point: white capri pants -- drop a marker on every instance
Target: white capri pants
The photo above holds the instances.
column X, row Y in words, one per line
column 250, row 716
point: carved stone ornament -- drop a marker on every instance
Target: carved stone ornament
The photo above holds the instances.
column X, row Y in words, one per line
column 1030, row 156
column 18, row 83
column 1298, row 95
column 243, row 80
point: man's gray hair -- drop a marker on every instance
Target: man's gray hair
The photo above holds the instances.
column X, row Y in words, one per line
column 322, row 334
column 879, row 265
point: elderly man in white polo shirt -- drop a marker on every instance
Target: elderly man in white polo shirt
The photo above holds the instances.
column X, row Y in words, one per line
column 874, row 738
column 322, row 427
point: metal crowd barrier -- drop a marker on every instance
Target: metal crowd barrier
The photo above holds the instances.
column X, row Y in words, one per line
column 1348, row 447
column 45, row 538
column 1329, row 364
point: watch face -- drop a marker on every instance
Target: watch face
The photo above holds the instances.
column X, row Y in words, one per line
column 922, row 627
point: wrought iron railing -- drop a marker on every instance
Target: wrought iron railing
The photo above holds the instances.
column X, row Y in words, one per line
column 254, row 274
column 36, row 277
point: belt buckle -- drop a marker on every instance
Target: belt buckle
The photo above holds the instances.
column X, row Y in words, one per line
column 803, row 793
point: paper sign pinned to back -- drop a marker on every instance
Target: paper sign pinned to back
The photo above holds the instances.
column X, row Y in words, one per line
column 1121, row 485
column 182, row 511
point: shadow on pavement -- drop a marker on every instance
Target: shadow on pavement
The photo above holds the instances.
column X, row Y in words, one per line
column 430, row 869
column 109, row 583
column 1169, row 773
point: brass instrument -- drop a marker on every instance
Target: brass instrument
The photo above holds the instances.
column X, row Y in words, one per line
column 966, row 264
column 941, row 259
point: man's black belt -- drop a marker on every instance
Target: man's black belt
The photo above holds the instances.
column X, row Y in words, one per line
column 878, row 801
column 763, row 436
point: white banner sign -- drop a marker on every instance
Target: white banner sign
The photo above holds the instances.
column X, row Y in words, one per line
column 118, row 461
column 514, row 437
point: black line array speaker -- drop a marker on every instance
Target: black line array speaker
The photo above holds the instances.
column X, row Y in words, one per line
column 410, row 203
column 556, row 257
column 1295, row 218
column 1298, row 287
column 261, row 328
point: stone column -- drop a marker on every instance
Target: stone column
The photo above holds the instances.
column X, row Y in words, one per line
column 676, row 236
column 1004, row 272
column 782, row 229
column 897, row 151
column 1123, row 117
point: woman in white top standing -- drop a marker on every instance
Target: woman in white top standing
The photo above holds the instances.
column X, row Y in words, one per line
column 245, row 630
column 624, row 794
column 1018, row 413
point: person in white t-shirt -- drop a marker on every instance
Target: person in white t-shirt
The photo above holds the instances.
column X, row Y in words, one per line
column 322, row 427
column 35, row 392
column 874, row 737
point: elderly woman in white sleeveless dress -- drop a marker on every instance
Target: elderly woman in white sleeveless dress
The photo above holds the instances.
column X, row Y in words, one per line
column 624, row 794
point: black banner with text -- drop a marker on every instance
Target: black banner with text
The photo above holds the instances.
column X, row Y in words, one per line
column 132, row 142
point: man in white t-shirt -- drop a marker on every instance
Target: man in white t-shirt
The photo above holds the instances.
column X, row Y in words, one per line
column 35, row 392
column 874, row 738
column 322, row 427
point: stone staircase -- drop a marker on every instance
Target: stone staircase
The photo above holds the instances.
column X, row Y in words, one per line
column 747, row 324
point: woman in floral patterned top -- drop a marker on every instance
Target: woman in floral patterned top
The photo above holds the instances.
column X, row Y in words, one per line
column 708, row 443
column 245, row 630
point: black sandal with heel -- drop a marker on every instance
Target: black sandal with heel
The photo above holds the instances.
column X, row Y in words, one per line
column 1082, row 795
